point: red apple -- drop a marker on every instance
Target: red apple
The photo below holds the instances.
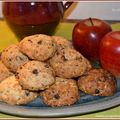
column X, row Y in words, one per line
column 87, row 35
column 110, row 52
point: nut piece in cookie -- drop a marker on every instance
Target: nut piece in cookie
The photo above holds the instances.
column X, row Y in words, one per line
column 63, row 92
column 38, row 47
column 13, row 58
column 4, row 72
column 98, row 82
column 69, row 63
column 35, row 75
column 12, row 93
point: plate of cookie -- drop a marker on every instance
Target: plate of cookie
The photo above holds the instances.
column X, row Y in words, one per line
column 44, row 76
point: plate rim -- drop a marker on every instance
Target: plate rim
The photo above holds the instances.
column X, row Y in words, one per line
column 66, row 111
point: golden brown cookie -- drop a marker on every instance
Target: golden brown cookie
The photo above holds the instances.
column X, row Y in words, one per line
column 38, row 47
column 61, row 43
column 69, row 63
column 12, row 93
column 13, row 58
column 63, row 92
column 35, row 75
column 4, row 72
column 98, row 82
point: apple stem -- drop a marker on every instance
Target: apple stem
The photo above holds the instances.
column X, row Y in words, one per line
column 91, row 21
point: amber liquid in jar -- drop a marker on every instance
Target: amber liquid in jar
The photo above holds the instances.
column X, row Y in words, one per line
column 27, row 30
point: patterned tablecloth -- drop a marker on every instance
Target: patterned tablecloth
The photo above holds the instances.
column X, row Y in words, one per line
column 64, row 29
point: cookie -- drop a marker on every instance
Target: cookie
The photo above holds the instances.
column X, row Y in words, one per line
column 61, row 43
column 35, row 75
column 98, row 82
column 63, row 92
column 69, row 63
column 4, row 72
column 12, row 93
column 38, row 47
column 13, row 58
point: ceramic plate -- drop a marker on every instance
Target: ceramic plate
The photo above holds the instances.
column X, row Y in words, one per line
column 86, row 104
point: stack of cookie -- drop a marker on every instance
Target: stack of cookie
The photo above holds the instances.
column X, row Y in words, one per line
column 47, row 66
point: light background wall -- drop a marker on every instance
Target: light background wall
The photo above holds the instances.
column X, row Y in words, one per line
column 103, row 10
column 81, row 10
